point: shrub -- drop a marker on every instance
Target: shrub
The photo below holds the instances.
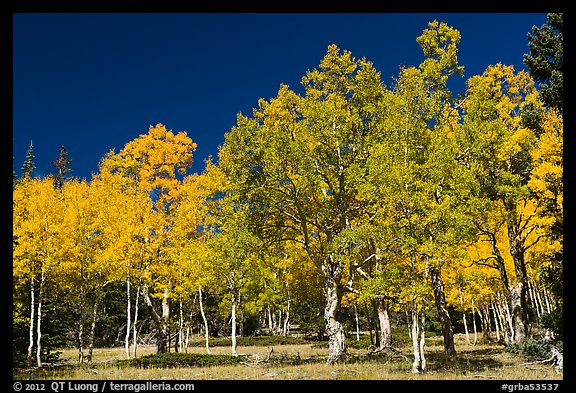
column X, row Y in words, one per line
column 172, row 359
column 534, row 349
column 263, row 341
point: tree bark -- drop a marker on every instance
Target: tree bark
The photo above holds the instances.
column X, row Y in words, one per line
column 384, row 321
column 233, row 318
column 287, row 319
column 418, row 341
column 336, row 339
column 357, row 324
column 128, row 319
column 464, row 317
column 166, row 318
column 474, row 323
column 134, row 331
column 485, row 325
column 39, row 321
column 161, row 328
column 206, row 335
column 31, row 330
column 518, row 294
column 81, row 327
column 440, row 299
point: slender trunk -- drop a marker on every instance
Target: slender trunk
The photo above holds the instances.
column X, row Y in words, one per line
column 533, row 301
column 539, row 301
column 384, row 320
column 443, row 314
column 166, row 317
column 233, row 319
column 128, row 319
column 204, row 319
column 501, row 320
column 93, row 327
column 31, row 330
column 161, row 328
column 548, row 308
column 270, row 325
column 464, row 317
column 486, row 324
column 408, row 318
column 508, row 318
column 518, row 294
column 134, row 331
column 357, row 323
column 417, row 334
column 336, row 339
column 180, row 326
column 474, row 324
column 274, row 324
column 81, row 328
column 287, row 319
column 39, row 321
column 422, row 342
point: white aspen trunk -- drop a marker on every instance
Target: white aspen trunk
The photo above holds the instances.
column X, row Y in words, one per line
column 384, row 322
column 81, row 329
column 204, row 319
column 187, row 337
column 334, row 328
column 128, row 319
column 504, row 329
column 39, row 322
column 474, row 324
column 422, row 342
column 533, row 300
column 508, row 318
column 287, row 319
column 546, row 298
column 180, row 326
column 233, row 319
column 488, row 323
column 31, row 330
column 270, row 325
column 539, row 300
column 134, row 331
column 415, row 346
column 464, row 318
column 166, row 317
column 279, row 323
column 497, row 322
column 274, row 324
column 357, row 323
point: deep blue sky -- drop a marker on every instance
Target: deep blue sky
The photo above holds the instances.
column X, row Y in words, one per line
column 93, row 82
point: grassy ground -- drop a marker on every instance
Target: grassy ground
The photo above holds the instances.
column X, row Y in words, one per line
column 308, row 362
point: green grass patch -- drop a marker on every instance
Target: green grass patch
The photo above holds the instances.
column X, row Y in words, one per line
column 172, row 359
column 250, row 341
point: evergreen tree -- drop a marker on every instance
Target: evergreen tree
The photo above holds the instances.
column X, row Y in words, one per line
column 545, row 60
column 29, row 166
column 62, row 165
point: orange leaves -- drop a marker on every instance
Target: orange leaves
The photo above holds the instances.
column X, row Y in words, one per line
column 154, row 160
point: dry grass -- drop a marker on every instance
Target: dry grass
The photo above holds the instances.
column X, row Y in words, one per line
column 304, row 362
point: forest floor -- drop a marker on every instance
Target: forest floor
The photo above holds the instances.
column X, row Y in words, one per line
column 308, row 362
